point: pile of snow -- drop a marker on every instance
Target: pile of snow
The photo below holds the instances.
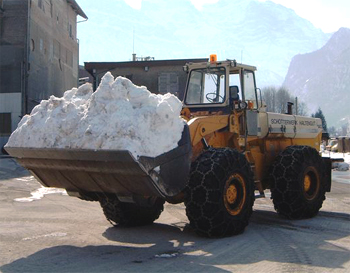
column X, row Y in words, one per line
column 119, row 115
column 343, row 166
column 340, row 166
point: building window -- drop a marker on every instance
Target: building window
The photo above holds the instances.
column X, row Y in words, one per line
column 56, row 49
column 168, row 82
column 69, row 58
column 70, row 30
column 128, row 77
column 41, row 5
column 5, row 124
column 32, row 45
column 60, row 64
column 51, row 8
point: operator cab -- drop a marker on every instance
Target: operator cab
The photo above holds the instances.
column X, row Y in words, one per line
column 220, row 86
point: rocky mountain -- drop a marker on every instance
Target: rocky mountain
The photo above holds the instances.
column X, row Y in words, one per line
column 263, row 34
column 322, row 78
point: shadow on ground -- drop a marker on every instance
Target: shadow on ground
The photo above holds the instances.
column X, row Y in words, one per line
column 173, row 248
column 9, row 168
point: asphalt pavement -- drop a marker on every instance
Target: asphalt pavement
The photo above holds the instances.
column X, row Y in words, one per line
column 45, row 230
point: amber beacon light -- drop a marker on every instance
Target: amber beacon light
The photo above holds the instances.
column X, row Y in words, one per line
column 213, row 58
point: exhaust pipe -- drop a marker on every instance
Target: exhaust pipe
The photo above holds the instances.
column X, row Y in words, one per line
column 290, row 108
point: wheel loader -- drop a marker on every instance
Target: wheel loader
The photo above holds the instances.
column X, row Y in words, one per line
column 231, row 151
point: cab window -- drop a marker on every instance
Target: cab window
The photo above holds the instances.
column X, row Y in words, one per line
column 206, row 86
column 249, row 88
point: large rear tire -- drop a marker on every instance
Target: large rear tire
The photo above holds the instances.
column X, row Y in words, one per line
column 130, row 214
column 220, row 194
column 298, row 182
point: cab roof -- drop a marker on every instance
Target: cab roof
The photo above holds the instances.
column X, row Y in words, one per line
column 227, row 63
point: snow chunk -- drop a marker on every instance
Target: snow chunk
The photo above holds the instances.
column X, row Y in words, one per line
column 341, row 166
column 119, row 115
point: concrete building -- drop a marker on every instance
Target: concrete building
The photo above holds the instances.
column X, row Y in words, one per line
column 160, row 77
column 39, row 55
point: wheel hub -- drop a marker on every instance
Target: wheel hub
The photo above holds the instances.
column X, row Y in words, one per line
column 311, row 183
column 235, row 194
column 231, row 194
column 307, row 183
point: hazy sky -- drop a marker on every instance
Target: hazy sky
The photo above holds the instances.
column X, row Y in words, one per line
column 329, row 15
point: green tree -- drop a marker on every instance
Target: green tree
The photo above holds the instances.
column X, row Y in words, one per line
column 320, row 115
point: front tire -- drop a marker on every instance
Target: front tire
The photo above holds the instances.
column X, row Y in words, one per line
column 220, row 194
column 130, row 214
column 298, row 182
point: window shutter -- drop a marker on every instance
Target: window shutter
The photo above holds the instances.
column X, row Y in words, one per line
column 168, row 82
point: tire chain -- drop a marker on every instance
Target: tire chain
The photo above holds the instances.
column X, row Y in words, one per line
column 203, row 196
column 129, row 214
column 286, row 188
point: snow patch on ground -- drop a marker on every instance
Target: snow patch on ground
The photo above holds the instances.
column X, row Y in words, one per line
column 118, row 116
column 26, row 179
column 168, row 255
column 55, row 234
column 40, row 193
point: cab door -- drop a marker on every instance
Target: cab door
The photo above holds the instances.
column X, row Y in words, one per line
column 251, row 99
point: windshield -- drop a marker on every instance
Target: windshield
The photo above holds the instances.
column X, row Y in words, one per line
column 206, row 86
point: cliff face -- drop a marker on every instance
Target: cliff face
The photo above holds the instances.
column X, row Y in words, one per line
column 322, row 78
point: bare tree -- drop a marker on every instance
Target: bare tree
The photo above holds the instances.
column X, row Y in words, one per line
column 302, row 109
column 332, row 131
column 269, row 96
column 276, row 100
column 345, row 129
column 282, row 98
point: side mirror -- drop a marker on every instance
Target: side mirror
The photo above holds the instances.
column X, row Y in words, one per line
column 261, row 99
column 234, row 93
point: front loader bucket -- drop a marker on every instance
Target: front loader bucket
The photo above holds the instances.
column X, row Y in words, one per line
column 92, row 172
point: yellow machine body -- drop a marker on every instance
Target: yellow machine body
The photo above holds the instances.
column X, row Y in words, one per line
column 243, row 124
